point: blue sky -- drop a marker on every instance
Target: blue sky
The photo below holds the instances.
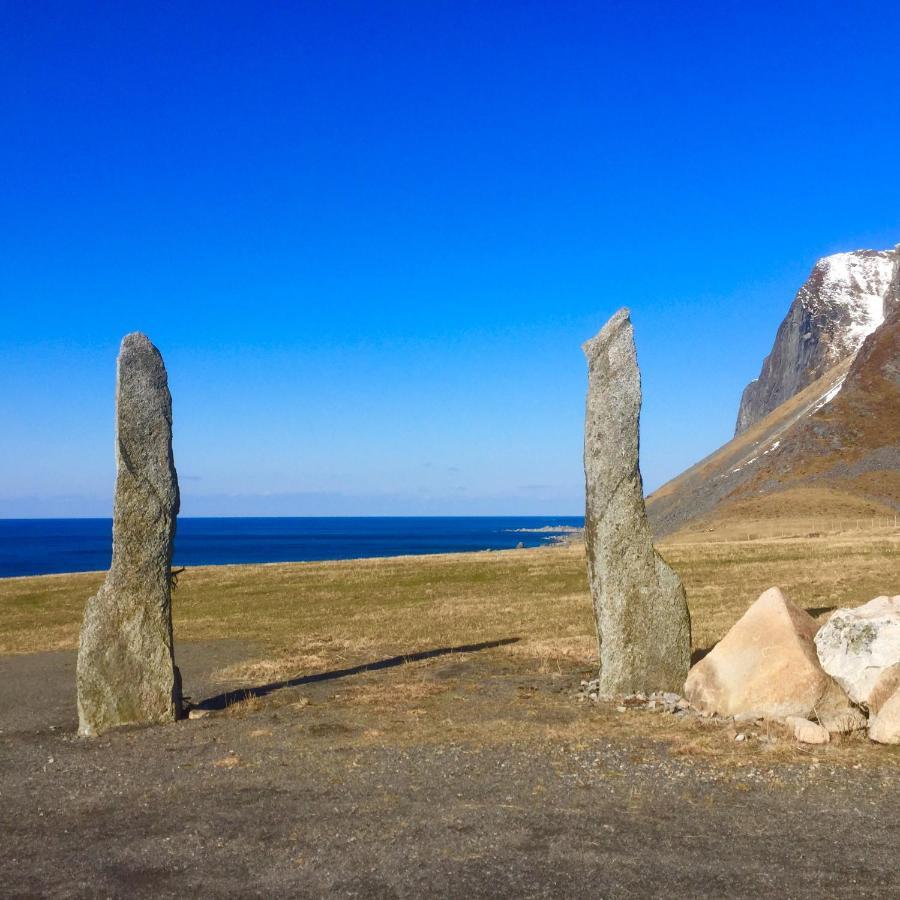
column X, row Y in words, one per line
column 369, row 238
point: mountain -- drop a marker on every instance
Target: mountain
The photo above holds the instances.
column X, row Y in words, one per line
column 832, row 449
column 840, row 304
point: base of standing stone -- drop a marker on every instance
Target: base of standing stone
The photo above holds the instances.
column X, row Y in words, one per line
column 125, row 672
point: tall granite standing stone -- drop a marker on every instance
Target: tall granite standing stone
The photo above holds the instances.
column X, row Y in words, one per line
column 126, row 669
column 643, row 624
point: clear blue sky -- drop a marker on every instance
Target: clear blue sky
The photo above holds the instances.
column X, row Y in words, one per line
column 369, row 238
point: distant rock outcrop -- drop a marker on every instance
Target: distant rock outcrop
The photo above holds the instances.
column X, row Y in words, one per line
column 832, row 450
column 642, row 617
column 841, row 303
column 126, row 671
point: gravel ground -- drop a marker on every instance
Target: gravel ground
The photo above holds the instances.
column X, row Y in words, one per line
column 302, row 802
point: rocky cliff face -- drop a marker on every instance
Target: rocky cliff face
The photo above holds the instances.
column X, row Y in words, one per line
column 841, row 303
column 833, row 449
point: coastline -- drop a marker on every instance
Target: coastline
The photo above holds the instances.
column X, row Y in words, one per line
column 67, row 546
column 550, row 543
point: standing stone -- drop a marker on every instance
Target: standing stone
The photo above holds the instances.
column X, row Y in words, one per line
column 643, row 624
column 126, row 670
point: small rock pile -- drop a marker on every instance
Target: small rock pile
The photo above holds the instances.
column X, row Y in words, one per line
column 663, row 701
column 777, row 665
column 860, row 649
column 676, row 705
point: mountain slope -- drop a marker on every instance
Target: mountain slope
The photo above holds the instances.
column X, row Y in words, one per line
column 840, row 304
column 831, row 449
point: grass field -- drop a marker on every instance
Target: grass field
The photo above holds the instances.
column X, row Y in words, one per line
column 301, row 620
column 407, row 604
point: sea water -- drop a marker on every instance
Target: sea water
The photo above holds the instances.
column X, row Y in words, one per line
column 45, row 546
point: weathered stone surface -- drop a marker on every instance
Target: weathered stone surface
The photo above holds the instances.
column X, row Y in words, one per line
column 845, row 721
column 765, row 666
column 887, row 685
column 884, row 707
column 856, row 646
column 885, row 726
column 807, row 732
column 126, row 671
column 642, row 617
column 842, row 301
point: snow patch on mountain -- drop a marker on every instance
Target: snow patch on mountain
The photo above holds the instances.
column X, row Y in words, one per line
column 839, row 305
column 829, row 395
column 852, row 286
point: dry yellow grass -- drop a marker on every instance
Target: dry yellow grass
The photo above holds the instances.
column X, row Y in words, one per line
column 338, row 613
column 406, row 603
column 821, row 573
column 791, row 514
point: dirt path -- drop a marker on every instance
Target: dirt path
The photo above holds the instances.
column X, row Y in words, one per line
column 305, row 797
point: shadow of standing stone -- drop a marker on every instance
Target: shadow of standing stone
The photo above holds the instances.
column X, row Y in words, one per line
column 643, row 624
column 126, row 671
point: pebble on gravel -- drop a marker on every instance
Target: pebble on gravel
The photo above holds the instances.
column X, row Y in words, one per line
column 807, row 732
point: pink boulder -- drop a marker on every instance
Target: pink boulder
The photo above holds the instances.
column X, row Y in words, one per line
column 766, row 666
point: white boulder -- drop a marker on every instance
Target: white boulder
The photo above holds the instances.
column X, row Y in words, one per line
column 856, row 646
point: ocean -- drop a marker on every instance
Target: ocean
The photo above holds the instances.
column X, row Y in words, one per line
column 47, row 546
